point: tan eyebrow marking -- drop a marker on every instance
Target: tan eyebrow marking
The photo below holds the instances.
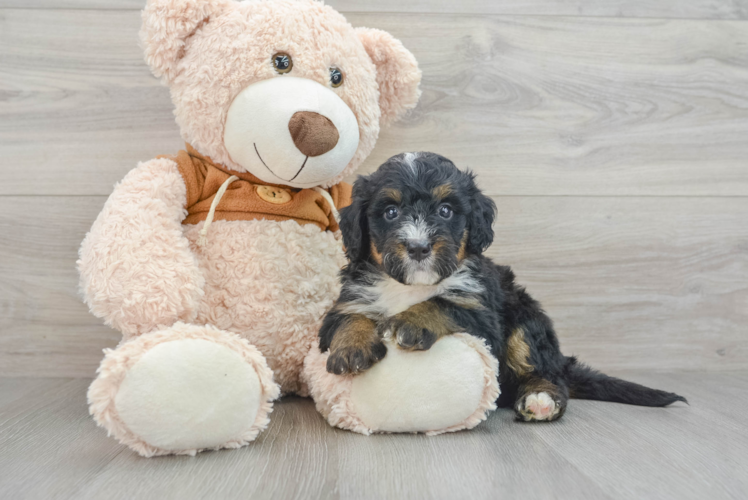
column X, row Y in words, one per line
column 394, row 194
column 442, row 191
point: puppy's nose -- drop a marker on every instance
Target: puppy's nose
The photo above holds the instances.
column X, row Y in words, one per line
column 312, row 133
column 418, row 249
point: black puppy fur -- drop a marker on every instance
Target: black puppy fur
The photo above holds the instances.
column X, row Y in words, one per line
column 419, row 225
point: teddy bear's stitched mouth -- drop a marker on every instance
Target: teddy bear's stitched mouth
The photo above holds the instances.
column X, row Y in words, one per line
column 278, row 176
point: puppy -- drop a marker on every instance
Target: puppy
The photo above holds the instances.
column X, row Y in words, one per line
column 414, row 237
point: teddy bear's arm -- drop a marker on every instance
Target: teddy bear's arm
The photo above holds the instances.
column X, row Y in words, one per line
column 136, row 267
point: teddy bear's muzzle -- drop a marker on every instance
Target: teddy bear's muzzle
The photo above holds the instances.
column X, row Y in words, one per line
column 292, row 131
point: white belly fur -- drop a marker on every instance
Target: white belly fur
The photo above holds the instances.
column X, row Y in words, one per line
column 270, row 282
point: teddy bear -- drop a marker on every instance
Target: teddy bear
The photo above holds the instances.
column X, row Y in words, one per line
column 218, row 262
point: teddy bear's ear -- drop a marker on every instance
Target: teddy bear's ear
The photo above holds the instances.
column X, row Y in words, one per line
column 167, row 24
column 398, row 75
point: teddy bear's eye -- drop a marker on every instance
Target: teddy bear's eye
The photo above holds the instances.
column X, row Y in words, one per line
column 336, row 77
column 282, row 62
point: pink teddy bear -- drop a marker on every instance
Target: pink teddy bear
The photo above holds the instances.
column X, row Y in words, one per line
column 218, row 263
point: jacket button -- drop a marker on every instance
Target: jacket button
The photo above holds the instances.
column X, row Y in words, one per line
column 275, row 195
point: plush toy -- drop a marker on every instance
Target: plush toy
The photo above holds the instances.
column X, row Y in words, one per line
column 218, row 263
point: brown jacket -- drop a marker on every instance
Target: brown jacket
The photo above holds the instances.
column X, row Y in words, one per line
column 250, row 198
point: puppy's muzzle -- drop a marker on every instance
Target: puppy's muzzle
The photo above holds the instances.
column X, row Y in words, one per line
column 418, row 250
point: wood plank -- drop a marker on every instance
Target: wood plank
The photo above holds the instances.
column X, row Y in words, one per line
column 15, row 388
column 671, row 453
column 696, row 9
column 707, row 393
column 496, row 456
column 291, row 459
column 537, row 105
column 89, row 79
column 45, row 329
column 329, row 463
column 51, row 446
column 638, row 283
column 323, row 462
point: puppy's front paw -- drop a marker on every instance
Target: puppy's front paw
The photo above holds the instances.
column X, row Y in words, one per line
column 355, row 346
column 352, row 359
column 412, row 337
column 420, row 326
column 538, row 406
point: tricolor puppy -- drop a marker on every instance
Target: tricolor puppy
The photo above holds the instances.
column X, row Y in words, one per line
column 414, row 235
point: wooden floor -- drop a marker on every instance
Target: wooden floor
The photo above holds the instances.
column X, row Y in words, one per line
column 50, row 448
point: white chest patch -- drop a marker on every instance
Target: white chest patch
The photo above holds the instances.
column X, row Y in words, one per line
column 388, row 297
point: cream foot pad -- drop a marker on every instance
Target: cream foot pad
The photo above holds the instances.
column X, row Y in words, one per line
column 450, row 387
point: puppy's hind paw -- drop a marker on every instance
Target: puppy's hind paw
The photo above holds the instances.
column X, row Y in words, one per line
column 538, row 406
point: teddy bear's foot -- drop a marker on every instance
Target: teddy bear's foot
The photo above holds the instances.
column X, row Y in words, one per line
column 451, row 386
column 182, row 390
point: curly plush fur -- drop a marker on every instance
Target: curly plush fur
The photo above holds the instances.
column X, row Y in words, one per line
column 271, row 283
column 333, row 393
column 258, row 289
column 209, row 51
column 103, row 391
column 137, row 270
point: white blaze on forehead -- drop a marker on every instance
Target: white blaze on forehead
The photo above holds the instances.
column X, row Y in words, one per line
column 257, row 123
column 409, row 160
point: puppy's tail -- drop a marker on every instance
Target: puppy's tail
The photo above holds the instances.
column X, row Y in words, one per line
column 586, row 383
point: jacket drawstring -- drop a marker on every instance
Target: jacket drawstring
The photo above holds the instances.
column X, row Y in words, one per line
column 328, row 198
column 203, row 238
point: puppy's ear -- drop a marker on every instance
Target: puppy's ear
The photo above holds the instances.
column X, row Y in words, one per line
column 480, row 220
column 354, row 224
column 398, row 75
column 167, row 24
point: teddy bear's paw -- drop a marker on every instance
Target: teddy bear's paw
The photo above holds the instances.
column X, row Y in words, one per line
column 449, row 387
column 538, row 406
column 205, row 390
column 189, row 394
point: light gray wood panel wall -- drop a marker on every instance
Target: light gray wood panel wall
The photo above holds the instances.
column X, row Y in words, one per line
column 536, row 105
column 641, row 283
column 696, row 9
column 45, row 329
column 616, row 149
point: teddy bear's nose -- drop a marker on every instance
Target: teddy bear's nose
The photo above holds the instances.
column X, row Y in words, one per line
column 313, row 133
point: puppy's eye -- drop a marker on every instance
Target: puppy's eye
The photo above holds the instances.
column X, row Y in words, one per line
column 336, row 77
column 282, row 62
column 391, row 213
column 445, row 212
